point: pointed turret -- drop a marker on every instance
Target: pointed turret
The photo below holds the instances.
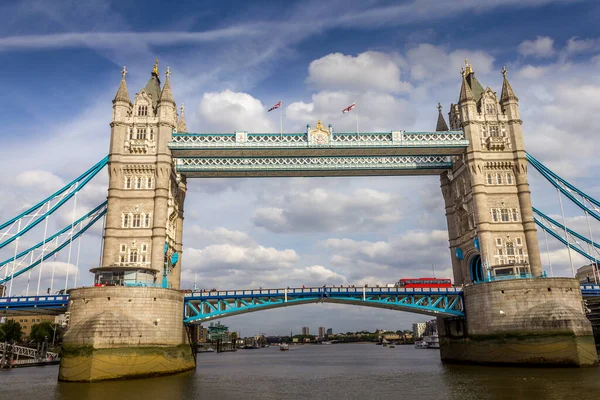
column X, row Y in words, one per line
column 181, row 126
column 441, row 122
column 122, row 92
column 465, row 90
column 167, row 94
column 507, row 92
column 153, row 85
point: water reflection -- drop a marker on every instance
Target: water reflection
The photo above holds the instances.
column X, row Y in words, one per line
column 354, row 371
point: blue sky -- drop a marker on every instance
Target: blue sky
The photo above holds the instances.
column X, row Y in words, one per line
column 231, row 61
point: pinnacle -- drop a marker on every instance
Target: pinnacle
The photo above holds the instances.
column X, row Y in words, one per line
column 181, row 126
column 167, row 94
column 441, row 122
column 465, row 91
column 122, row 91
column 507, row 91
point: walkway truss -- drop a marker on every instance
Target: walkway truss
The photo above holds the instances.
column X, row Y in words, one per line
column 206, row 306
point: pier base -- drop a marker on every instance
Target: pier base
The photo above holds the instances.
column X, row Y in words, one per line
column 537, row 321
column 124, row 332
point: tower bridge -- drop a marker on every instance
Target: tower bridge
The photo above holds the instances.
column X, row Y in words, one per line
column 507, row 307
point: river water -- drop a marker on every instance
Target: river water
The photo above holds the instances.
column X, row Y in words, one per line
column 339, row 371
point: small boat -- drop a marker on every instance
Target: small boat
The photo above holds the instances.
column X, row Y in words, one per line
column 420, row 344
column 210, row 350
column 284, row 347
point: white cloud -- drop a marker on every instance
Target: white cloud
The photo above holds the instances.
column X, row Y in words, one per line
column 532, row 72
column 434, row 64
column 542, row 46
column 378, row 112
column 319, row 210
column 576, row 45
column 370, row 70
column 230, row 111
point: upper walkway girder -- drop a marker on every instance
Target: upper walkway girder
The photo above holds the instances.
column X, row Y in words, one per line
column 243, row 154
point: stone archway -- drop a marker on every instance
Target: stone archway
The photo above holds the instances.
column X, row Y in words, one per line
column 476, row 269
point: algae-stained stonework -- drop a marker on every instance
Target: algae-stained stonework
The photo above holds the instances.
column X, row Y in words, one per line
column 124, row 332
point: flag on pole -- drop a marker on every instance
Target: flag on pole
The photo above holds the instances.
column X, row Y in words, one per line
column 275, row 106
column 350, row 107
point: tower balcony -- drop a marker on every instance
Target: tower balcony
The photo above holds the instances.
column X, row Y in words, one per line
column 497, row 143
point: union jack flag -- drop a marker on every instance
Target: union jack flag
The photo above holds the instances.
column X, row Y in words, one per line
column 275, row 106
column 350, row 107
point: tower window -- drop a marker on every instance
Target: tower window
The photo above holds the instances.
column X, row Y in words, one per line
column 495, row 215
column 144, row 248
column 142, row 111
column 490, row 180
column 509, row 179
column 518, row 241
column 490, row 108
column 133, row 256
column 123, row 248
column 147, row 221
column 128, row 182
column 138, row 182
column 510, row 249
column 493, row 130
column 141, row 134
column 499, row 179
column 149, row 182
column 504, row 215
column 498, row 241
column 137, row 220
column 126, row 221
column 515, row 214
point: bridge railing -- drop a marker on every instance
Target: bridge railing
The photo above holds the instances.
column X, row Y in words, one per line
column 321, row 290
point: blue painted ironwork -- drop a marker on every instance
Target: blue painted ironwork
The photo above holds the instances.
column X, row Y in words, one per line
column 205, row 306
column 92, row 217
column 563, row 241
column 75, row 186
column 56, row 304
column 214, row 301
column 555, row 180
column 190, row 141
column 563, row 228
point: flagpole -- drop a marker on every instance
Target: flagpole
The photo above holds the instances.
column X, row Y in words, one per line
column 281, row 120
column 357, row 132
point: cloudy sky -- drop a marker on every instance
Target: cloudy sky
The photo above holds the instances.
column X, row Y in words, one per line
column 230, row 62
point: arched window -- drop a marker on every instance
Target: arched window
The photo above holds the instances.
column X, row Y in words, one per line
column 515, row 214
column 494, row 215
column 126, row 221
column 510, row 249
column 149, row 182
column 137, row 221
column 490, row 108
column 509, row 179
column 490, row 180
column 499, row 179
column 147, row 221
column 133, row 256
column 128, row 182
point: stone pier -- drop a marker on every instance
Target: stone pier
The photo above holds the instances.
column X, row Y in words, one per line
column 124, row 332
column 520, row 322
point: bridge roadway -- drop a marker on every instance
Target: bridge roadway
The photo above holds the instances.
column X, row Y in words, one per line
column 209, row 305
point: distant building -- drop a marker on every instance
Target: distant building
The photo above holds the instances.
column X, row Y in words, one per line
column 305, row 331
column 430, row 327
column 2, row 288
column 27, row 321
column 322, row 331
column 329, row 331
column 419, row 329
column 218, row 332
column 585, row 274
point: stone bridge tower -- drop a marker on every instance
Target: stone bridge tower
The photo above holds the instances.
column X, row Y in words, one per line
column 488, row 207
column 144, row 222
column 529, row 320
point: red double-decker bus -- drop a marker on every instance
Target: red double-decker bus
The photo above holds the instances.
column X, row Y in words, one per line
column 425, row 282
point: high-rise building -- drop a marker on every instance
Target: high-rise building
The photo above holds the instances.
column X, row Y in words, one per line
column 322, row 331
column 430, row 328
column 419, row 329
column 305, row 331
column 329, row 331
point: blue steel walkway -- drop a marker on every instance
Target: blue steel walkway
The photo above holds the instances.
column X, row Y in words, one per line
column 206, row 306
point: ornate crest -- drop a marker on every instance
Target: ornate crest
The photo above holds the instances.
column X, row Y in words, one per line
column 319, row 135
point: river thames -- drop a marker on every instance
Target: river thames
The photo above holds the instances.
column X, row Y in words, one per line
column 339, row 371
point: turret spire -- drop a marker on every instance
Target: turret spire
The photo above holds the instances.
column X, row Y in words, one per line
column 122, row 92
column 181, row 126
column 441, row 122
column 465, row 90
column 507, row 91
column 167, row 94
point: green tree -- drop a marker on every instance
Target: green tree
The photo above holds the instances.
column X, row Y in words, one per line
column 41, row 331
column 11, row 331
